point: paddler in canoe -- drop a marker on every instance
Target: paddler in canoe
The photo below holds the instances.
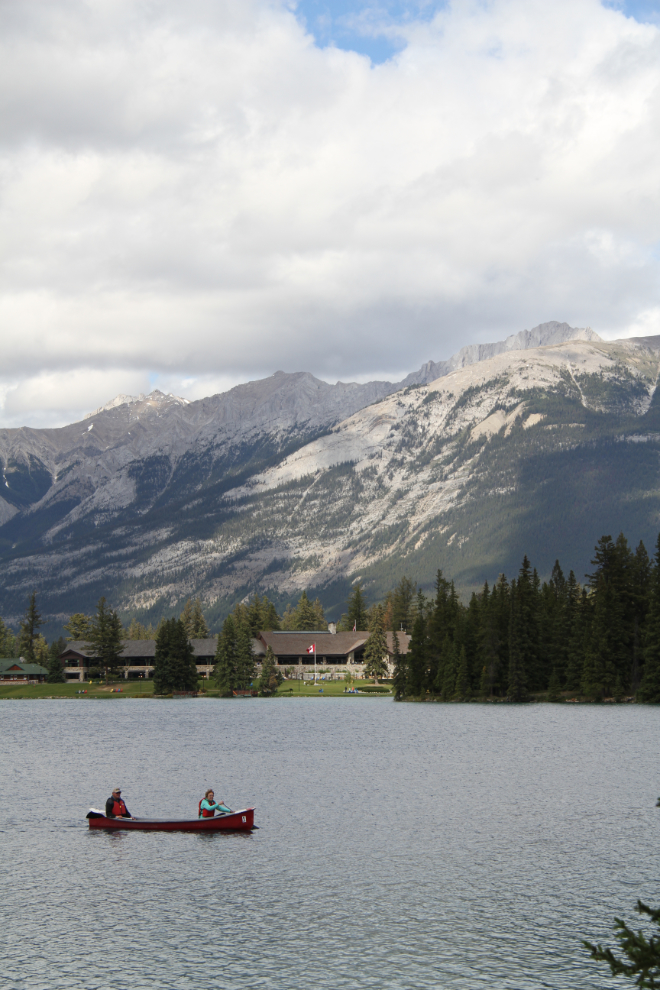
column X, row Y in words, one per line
column 115, row 807
column 208, row 807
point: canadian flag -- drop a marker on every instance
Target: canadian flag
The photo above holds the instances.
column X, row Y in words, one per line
column 355, row 626
column 312, row 648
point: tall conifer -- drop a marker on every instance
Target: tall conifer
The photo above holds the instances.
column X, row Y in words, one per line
column 29, row 629
column 400, row 674
column 174, row 660
column 650, row 688
column 517, row 686
column 375, row 652
column 418, row 651
column 224, row 671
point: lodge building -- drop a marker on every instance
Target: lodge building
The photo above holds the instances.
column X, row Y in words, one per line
column 337, row 653
column 21, row 671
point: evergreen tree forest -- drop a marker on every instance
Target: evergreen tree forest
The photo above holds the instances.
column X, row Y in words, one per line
column 522, row 637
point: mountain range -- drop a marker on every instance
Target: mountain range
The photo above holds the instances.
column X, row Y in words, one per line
column 536, row 444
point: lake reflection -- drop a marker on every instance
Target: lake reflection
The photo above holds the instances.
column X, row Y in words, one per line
column 399, row 846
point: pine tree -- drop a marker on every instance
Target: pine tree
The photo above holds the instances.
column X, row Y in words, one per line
column 500, row 607
column 554, row 687
column 174, row 660
column 289, row 617
column 488, row 642
column 55, row 672
column 642, row 954
column 442, row 624
column 450, row 663
column 7, row 641
column 524, row 663
column 29, row 627
column 270, row 620
column 193, row 620
column 517, row 688
column 418, row 653
column 224, row 671
column 255, row 615
column 468, row 639
column 138, row 631
column 200, row 630
column 270, row 677
column 319, row 616
column 400, row 673
column 555, row 624
column 484, row 684
column 41, row 652
column 356, row 615
column 244, row 659
column 186, row 617
column 576, row 611
column 79, row 627
column 106, row 638
column 306, row 615
column 611, row 633
column 403, row 598
column 463, row 676
column 261, row 615
column 375, row 652
column 650, row 688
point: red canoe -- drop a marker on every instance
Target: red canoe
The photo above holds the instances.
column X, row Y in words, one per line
column 237, row 821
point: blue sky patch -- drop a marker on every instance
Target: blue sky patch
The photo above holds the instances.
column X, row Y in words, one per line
column 364, row 26
column 369, row 26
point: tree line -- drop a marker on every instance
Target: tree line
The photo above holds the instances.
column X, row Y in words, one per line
column 103, row 632
column 520, row 637
column 511, row 640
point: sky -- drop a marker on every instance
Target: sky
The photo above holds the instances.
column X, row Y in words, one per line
column 194, row 195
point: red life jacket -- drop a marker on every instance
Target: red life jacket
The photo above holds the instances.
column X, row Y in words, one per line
column 204, row 812
column 119, row 808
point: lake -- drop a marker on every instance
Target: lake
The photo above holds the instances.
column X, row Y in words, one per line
column 400, row 845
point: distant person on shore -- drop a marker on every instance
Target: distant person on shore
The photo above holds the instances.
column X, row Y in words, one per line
column 115, row 807
column 208, row 807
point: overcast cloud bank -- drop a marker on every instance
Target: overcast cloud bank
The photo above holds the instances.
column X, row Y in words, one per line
column 194, row 195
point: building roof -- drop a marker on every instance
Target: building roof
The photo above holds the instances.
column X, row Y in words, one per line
column 21, row 666
column 327, row 644
column 140, row 649
column 80, row 647
column 295, row 644
column 288, row 644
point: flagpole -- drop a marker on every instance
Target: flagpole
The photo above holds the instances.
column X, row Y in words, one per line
column 314, row 663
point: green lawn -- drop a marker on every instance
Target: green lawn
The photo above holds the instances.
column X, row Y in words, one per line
column 332, row 689
column 129, row 689
column 145, row 689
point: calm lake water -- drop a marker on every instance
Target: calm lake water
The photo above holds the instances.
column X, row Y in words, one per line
column 401, row 846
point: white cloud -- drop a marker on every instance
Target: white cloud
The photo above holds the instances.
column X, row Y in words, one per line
column 52, row 398
column 199, row 192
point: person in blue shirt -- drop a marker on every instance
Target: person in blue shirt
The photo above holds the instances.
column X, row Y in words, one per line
column 208, row 807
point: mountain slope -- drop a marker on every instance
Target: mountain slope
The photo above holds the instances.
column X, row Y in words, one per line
column 135, row 453
column 536, row 451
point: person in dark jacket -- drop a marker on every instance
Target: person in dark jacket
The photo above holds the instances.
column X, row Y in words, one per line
column 115, row 807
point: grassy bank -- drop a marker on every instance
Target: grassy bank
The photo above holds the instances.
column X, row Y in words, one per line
column 329, row 689
column 129, row 689
column 145, row 689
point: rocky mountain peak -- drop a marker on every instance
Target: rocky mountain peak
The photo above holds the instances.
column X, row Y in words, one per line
column 154, row 400
column 543, row 335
